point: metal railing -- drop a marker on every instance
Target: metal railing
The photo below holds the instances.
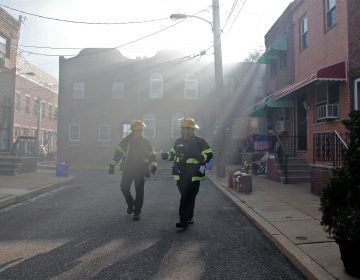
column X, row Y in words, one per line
column 24, row 146
column 329, row 148
column 280, row 147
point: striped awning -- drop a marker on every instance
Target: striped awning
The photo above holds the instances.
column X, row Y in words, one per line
column 336, row 72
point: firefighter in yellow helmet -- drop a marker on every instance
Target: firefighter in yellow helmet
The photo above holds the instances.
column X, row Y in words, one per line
column 189, row 154
column 137, row 159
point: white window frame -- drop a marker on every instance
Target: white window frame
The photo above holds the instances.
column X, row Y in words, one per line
column 330, row 14
column 27, row 104
column 357, row 94
column 304, row 28
column 191, row 87
column 78, row 90
column 175, row 125
column 105, row 133
column 3, row 46
column 116, row 92
column 324, row 108
column 74, row 139
column 156, row 78
column 149, row 120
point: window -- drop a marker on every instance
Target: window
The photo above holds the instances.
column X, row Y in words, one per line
column 150, row 125
column 104, row 134
column 191, row 87
column 303, row 33
column 357, row 94
column 36, row 106
column 55, row 113
column 282, row 60
column 273, row 68
column 330, row 14
column 175, row 125
column 50, row 112
column 327, row 101
column 27, row 104
column 17, row 101
column 118, row 90
column 3, row 47
column 156, row 86
column 78, row 90
column 126, row 129
column 74, row 133
column 43, row 106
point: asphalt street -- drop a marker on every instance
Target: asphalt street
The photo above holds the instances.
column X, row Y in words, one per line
column 81, row 231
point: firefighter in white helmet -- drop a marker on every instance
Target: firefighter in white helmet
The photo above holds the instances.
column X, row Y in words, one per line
column 189, row 154
column 137, row 160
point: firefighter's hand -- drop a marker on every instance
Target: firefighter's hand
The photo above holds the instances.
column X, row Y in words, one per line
column 153, row 169
column 196, row 155
column 164, row 156
column 111, row 169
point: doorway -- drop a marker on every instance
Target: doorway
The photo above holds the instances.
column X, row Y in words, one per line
column 301, row 123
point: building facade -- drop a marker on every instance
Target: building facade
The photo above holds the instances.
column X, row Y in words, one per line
column 9, row 36
column 35, row 105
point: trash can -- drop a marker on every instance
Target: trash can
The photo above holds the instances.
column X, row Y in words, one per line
column 62, row 169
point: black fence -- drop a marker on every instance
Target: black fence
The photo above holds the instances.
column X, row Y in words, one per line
column 24, row 146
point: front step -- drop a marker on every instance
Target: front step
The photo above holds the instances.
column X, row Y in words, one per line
column 297, row 171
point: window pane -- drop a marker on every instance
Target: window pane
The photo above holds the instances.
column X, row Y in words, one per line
column 175, row 125
column 191, row 87
column 333, row 93
column 118, row 90
column 150, row 125
column 156, row 86
column 74, row 133
column 78, row 90
column 104, row 133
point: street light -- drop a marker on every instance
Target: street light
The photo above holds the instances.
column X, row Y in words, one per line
column 219, row 84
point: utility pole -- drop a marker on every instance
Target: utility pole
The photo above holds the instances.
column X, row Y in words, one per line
column 219, row 87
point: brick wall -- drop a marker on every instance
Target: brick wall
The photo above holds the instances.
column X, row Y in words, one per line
column 320, row 176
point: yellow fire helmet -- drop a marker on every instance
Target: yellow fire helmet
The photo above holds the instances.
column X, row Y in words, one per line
column 188, row 122
column 136, row 125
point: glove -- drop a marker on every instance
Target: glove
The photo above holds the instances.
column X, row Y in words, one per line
column 196, row 155
column 111, row 169
column 164, row 156
column 153, row 169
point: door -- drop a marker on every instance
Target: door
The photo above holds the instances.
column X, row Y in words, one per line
column 301, row 123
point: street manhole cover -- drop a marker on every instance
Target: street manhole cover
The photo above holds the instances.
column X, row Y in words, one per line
column 301, row 237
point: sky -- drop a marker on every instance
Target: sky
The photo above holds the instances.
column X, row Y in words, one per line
column 244, row 24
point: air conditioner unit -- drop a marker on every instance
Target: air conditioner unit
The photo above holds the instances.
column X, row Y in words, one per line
column 4, row 62
column 328, row 111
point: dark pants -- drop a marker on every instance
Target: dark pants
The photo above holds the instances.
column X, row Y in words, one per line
column 125, row 185
column 188, row 191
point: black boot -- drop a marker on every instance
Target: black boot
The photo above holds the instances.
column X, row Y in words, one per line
column 182, row 224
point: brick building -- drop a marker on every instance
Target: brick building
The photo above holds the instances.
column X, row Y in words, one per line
column 317, row 95
column 354, row 52
column 35, row 105
column 101, row 91
column 9, row 36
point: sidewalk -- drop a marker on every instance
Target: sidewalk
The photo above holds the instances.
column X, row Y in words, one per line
column 16, row 188
column 289, row 216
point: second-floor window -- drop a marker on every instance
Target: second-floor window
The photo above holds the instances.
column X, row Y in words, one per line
column 330, row 14
column 303, row 33
column 43, row 106
column 191, row 87
column 78, row 90
column 118, row 90
column 282, row 60
column 50, row 112
column 156, row 86
column 27, row 104
column 357, row 94
column 3, row 47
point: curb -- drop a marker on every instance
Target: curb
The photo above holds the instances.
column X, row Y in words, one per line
column 13, row 199
column 309, row 268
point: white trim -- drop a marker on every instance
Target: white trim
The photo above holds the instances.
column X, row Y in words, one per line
column 76, row 140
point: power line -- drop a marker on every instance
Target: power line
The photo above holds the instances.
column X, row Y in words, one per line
column 242, row 6
column 230, row 13
column 83, row 22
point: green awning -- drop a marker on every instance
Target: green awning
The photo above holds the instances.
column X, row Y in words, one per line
column 280, row 103
column 272, row 53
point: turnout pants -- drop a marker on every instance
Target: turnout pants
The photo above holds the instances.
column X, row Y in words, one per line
column 125, row 185
column 188, row 191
